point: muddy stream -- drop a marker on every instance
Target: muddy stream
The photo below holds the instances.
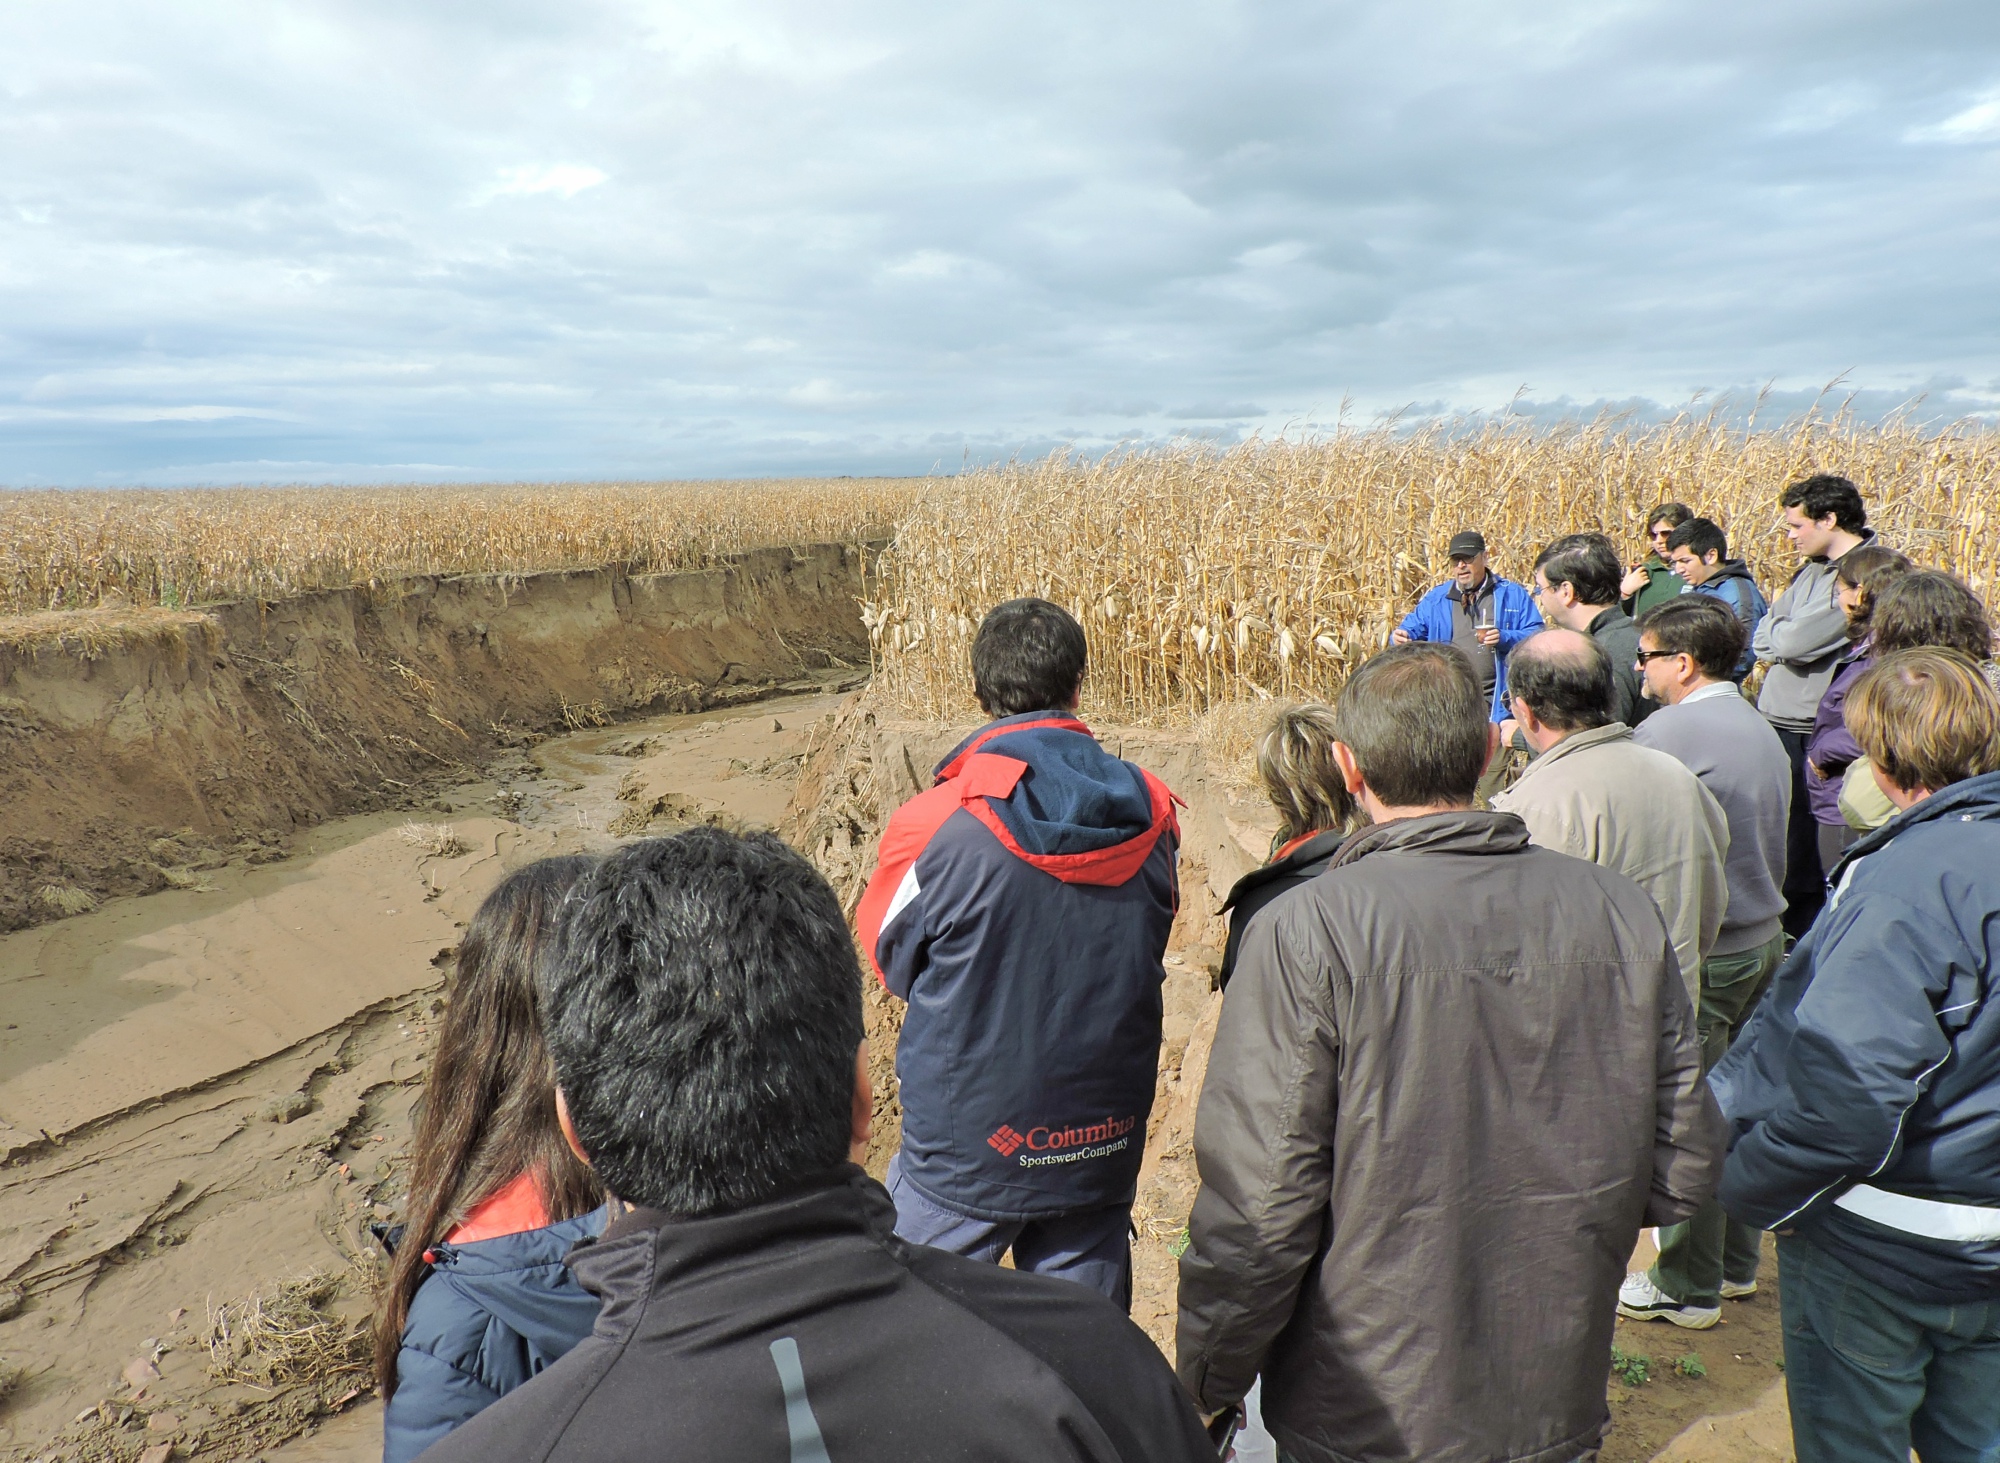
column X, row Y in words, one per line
column 205, row 1092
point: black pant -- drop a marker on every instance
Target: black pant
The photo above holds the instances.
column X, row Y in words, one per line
column 1805, row 880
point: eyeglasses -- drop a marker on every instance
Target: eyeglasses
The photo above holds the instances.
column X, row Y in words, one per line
column 1646, row 655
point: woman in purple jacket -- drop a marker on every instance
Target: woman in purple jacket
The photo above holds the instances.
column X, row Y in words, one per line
column 1859, row 579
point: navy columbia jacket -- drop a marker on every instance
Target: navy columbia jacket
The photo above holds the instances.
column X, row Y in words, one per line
column 1021, row 907
column 1865, row 1093
column 491, row 1314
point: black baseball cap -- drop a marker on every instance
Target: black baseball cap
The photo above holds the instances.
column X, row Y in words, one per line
column 1465, row 545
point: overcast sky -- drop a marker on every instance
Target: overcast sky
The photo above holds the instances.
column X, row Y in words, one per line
column 295, row 240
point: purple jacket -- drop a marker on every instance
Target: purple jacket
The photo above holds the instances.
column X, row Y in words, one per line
column 1831, row 747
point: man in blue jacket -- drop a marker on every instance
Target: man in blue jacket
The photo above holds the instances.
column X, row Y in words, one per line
column 1021, row 907
column 1478, row 611
column 1699, row 553
column 1865, row 1096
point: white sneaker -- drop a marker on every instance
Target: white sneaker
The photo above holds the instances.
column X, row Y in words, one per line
column 1732, row 1291
column 1641, row 1300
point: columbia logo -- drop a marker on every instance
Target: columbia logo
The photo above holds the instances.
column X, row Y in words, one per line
column 1006, row 1141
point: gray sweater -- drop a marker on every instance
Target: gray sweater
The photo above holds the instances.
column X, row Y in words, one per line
column 1801, row 638
column 1722, row 739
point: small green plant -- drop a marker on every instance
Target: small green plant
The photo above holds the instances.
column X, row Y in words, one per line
column 1180, row 1244
column 1690, row 1366
column 1634, row 1369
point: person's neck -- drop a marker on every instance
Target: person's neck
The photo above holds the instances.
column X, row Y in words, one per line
column 1380, row 812
column 1588, row 615
column 1843, row 544
column 1678, row 694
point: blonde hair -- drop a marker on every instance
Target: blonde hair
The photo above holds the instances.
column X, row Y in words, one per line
column 1295, row 764
column 1926, row 718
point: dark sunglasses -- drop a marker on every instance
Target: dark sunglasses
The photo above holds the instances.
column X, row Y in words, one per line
column 1646, row 655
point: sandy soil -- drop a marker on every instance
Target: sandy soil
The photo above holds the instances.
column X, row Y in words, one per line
column 205, row 1093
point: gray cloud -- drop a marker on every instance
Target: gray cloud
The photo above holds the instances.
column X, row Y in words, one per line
column 348, row 240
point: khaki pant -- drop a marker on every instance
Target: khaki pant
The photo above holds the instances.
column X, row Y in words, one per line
column 1695, row 1257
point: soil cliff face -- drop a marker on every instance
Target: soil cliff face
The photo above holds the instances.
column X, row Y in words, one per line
column 137, row 747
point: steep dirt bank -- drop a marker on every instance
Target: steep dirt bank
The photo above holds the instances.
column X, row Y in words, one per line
column 139, row 748
column 205, row 1095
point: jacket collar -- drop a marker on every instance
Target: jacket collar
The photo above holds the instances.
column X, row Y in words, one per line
column 645, row 1250
column 1977, row 799
column 1301, row 856
column 1583, row 741
column 1609, row 618
column 1468, row 831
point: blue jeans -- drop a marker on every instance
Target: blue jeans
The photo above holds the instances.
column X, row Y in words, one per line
column 1871, row 1374
column 1092, row 1246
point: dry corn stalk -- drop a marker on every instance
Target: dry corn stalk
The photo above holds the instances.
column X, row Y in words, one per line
column 176, row 547
column 287, row 1334
column 1271, row 570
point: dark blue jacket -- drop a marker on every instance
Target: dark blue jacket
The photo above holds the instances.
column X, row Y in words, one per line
column 1733, row 585
column 1021, row 907
column 1514, row 616
column 490, row 1315
column 1870, row 1074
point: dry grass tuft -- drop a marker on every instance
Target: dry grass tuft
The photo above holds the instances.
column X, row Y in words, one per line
column 68, row 550
column 1271, row 570
column 435, row 840
column 287, row 1334
column 66, row 898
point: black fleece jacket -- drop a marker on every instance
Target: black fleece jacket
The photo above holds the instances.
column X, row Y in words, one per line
column 804, row 1331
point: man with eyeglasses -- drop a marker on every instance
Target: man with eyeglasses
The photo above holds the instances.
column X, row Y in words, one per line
column 1688, row 650
column 1483, row 614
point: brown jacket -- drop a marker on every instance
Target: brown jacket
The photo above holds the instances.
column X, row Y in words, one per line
column 1454, row 1076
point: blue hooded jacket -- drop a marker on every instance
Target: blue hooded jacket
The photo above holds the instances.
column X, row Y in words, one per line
column 491, row 1314
column 1865, row 1093
column 1514, row 616
column 1734, row 586
column 1021, row 907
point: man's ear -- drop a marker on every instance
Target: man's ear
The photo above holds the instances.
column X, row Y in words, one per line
column 568, row 1127
column 1350, row 768
column 861, row 1117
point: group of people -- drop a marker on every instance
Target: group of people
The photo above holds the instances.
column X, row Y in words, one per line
column 1481, row 1025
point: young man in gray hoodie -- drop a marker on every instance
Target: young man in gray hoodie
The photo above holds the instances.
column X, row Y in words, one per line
column 1801, row 640
column 1688, row 652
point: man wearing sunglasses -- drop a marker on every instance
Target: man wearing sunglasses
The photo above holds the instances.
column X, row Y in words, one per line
column 1688, row 651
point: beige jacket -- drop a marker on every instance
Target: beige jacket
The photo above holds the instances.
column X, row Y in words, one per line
column 1597, row 795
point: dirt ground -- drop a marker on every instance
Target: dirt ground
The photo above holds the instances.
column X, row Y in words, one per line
column 205, row 1092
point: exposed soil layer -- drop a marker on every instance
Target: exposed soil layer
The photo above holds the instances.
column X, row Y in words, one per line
column 139, row 749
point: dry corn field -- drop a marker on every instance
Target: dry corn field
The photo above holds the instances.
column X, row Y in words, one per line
column 75, row 550
column 1210, row 577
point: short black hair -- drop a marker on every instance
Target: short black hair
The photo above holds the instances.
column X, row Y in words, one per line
column 1028, row 656
column 1588, row 563
column 702, row 1001
column 1703, row 537
column 1671, row 514
column 1416, row 721
column 1699, row 626
column 1566, row 683
column 1826, row 494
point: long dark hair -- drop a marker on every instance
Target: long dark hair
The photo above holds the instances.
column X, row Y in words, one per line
column 489, row 1105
